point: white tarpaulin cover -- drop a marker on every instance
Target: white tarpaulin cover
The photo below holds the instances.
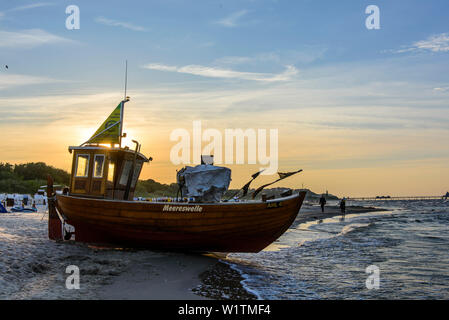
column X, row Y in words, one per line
column 205, row 183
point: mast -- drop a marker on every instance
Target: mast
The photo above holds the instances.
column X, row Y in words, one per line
column 126, row 77
column 122, row 109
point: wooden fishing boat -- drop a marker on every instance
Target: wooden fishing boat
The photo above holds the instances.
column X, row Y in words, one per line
column 222, row 227
column 99, row 205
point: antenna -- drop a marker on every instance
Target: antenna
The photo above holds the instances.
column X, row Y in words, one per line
column 122, row 110
column 126, row 77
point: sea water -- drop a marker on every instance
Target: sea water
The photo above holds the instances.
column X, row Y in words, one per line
column 328, row 259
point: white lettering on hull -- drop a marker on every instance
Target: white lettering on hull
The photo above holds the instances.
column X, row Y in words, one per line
column 171, row 208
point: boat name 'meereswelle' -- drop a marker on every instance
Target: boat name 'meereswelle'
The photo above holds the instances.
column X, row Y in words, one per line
column 168, row 207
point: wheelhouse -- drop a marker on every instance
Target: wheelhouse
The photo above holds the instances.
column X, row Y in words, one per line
column 105, row 172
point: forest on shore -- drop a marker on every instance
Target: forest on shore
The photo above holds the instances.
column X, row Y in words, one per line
column 28, row 177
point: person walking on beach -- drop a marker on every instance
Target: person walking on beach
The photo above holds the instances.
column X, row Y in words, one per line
column 322, row 203
column 343, row 205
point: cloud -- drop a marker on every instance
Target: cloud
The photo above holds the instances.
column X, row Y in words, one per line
column 213, row 72
column 8, row 80
column 305, row 55
column 161, row 67
column 231, row 20
column 207, row 44
column 441, row 89
column 434, row 43
column 234, row 60
column 29, row 38
column 115, row 23
column 31, row 6
column 50, row 108
column 26, row 7
column 28, row 117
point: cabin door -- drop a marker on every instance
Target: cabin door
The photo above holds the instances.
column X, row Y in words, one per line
column 80, row 181
column 98, row 181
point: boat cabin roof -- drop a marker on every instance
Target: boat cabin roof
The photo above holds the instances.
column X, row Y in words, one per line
column 109, row 149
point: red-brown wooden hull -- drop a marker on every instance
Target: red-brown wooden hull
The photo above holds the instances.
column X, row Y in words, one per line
column 224, row 227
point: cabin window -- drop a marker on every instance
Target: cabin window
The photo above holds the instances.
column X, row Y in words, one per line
column 136, row 173
column 82, row 165
column 125, row 173
column 111, row 171
column 98, row 165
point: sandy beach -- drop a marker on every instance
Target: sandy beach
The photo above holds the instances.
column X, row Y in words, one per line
column 35, row 267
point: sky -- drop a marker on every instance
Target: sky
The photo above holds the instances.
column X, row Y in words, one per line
column 364, row 112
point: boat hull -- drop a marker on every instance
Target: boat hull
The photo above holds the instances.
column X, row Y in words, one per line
column 222, row 227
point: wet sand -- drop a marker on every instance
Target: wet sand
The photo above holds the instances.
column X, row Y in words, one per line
column 164, row 277
column 313, row 212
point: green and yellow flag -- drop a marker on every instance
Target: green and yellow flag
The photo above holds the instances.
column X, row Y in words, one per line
column 109, row 131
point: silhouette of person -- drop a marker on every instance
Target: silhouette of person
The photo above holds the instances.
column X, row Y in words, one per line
column 322, row 203
column 343, row 205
